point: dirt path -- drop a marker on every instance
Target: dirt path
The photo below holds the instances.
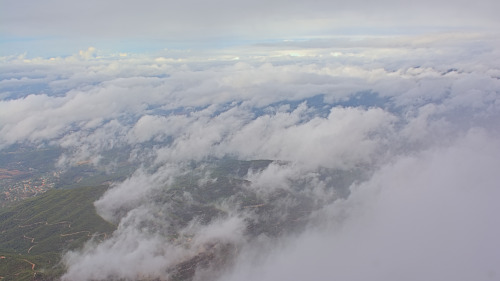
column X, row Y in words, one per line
column 29, row 250
column 28, row 225
column 68, row 234
column 46, row 223
column 32, row 264
column 61, row 222
column 30, row 238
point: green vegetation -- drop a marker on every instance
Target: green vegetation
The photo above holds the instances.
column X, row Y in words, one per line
column 36, row 231
column 27, row 158
column 87, row 175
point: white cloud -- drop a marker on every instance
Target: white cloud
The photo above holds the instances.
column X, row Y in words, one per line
column 403, row 118
column 429, row 216
column 88, row 94
column 133, row 192
column 346, row 138
column 130, row 254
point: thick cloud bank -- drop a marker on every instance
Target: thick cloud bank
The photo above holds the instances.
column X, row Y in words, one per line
column 425, row 217
column 372, row 158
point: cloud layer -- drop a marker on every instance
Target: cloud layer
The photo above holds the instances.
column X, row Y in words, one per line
column 384, row 154
column 428, row 216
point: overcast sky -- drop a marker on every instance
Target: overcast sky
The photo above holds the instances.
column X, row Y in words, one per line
column 57, row 27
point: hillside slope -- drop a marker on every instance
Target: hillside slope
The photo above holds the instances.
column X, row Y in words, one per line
column 36, row 231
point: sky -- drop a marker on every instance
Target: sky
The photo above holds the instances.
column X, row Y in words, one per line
column 61, row 28
column 401, row 97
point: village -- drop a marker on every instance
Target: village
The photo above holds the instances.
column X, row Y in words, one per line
column 14, row 190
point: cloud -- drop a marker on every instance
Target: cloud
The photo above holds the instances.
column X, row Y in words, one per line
column 428, row 216
column 384, row 154
column 130, row 254
column 132, row 193
column 88, row 54
column 151, row 100
column 339, row 141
